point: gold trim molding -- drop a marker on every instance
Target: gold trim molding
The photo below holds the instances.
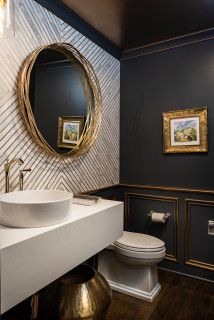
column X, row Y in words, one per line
column 187, row 234
column 163, row 188
column 172, row 257
column 102, row 189
column 159, row 188
column 91, row 89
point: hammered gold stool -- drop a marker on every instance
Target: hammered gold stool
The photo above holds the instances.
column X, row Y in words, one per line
column 84, row 294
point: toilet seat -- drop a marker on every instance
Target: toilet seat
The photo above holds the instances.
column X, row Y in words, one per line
column 140, row 246
column 139, row 242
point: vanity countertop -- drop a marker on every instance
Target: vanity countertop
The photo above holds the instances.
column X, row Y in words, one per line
column 11, row 236
column 31, row 258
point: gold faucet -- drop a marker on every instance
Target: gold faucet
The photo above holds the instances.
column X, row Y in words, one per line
column 21, row 178
column 7, row 167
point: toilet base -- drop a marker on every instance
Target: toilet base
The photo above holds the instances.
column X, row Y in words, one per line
column 136, row 293
column 137, row 280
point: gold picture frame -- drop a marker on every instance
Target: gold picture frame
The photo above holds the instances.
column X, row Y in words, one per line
column 70, row 130
column 185, row 131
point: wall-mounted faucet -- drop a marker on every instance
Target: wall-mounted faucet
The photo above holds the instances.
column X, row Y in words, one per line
column 7, row 167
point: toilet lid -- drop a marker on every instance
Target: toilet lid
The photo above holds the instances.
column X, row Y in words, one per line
column 139, row 242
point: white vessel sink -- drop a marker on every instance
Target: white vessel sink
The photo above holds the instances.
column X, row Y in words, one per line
column 34, row 208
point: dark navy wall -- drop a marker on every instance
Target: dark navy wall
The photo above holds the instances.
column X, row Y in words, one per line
column 163, row 78
column 172, row 79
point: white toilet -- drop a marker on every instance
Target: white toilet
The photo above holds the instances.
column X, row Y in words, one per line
column 130, row 265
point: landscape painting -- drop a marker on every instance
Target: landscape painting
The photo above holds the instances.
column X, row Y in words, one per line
column 185, row 131
column 70, row 132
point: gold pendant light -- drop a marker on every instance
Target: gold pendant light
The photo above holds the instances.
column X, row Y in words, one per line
column 7, row 19
column 2, row 3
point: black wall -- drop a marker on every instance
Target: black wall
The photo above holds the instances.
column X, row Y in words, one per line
column 173, row 79
column 168, row 77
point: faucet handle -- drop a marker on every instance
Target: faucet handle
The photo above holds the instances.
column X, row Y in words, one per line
column 25, row 170
column 6, row 164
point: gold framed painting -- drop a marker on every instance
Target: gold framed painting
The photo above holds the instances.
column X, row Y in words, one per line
column 69, row 131
column 185, row 131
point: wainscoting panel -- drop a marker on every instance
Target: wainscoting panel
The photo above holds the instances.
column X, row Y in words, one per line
column 36, row 26
column 189, row 248
column 138, row 206
column 199, row 245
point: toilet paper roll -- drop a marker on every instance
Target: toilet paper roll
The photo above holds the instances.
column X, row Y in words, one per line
column 158, row 217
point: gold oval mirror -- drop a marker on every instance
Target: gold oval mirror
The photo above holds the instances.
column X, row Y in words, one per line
column 60, row 100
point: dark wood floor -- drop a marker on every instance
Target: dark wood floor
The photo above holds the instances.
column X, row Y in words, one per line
column 181, row 298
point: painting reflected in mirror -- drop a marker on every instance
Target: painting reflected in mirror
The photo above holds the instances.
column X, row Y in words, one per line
column 69, row 131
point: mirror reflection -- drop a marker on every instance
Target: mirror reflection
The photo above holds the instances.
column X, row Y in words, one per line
column 57, row 100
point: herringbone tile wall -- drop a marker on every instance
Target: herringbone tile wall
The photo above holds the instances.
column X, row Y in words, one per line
column 98, row 168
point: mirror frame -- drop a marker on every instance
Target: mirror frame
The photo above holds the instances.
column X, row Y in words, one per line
column 91, row 89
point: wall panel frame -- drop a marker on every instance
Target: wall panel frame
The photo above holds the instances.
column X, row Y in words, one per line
column 188, row 236
column 159, row 198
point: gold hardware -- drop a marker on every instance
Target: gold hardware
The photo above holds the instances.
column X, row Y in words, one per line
column 21, row 178
column 7, row 167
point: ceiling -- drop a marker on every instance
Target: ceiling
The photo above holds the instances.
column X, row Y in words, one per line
column 133, row 23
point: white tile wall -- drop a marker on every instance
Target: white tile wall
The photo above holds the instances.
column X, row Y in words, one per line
column 98, row 168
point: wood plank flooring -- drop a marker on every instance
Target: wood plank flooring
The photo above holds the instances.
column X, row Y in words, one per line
column 181, row 298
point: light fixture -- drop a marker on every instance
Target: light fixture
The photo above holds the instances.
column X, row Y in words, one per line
column 7, row 19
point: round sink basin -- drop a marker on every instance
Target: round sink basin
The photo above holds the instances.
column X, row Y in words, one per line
column 34, row 208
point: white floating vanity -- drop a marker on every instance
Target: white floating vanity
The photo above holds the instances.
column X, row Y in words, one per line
column 31, row 258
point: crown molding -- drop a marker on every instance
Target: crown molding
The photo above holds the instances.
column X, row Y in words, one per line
column 172, row 43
